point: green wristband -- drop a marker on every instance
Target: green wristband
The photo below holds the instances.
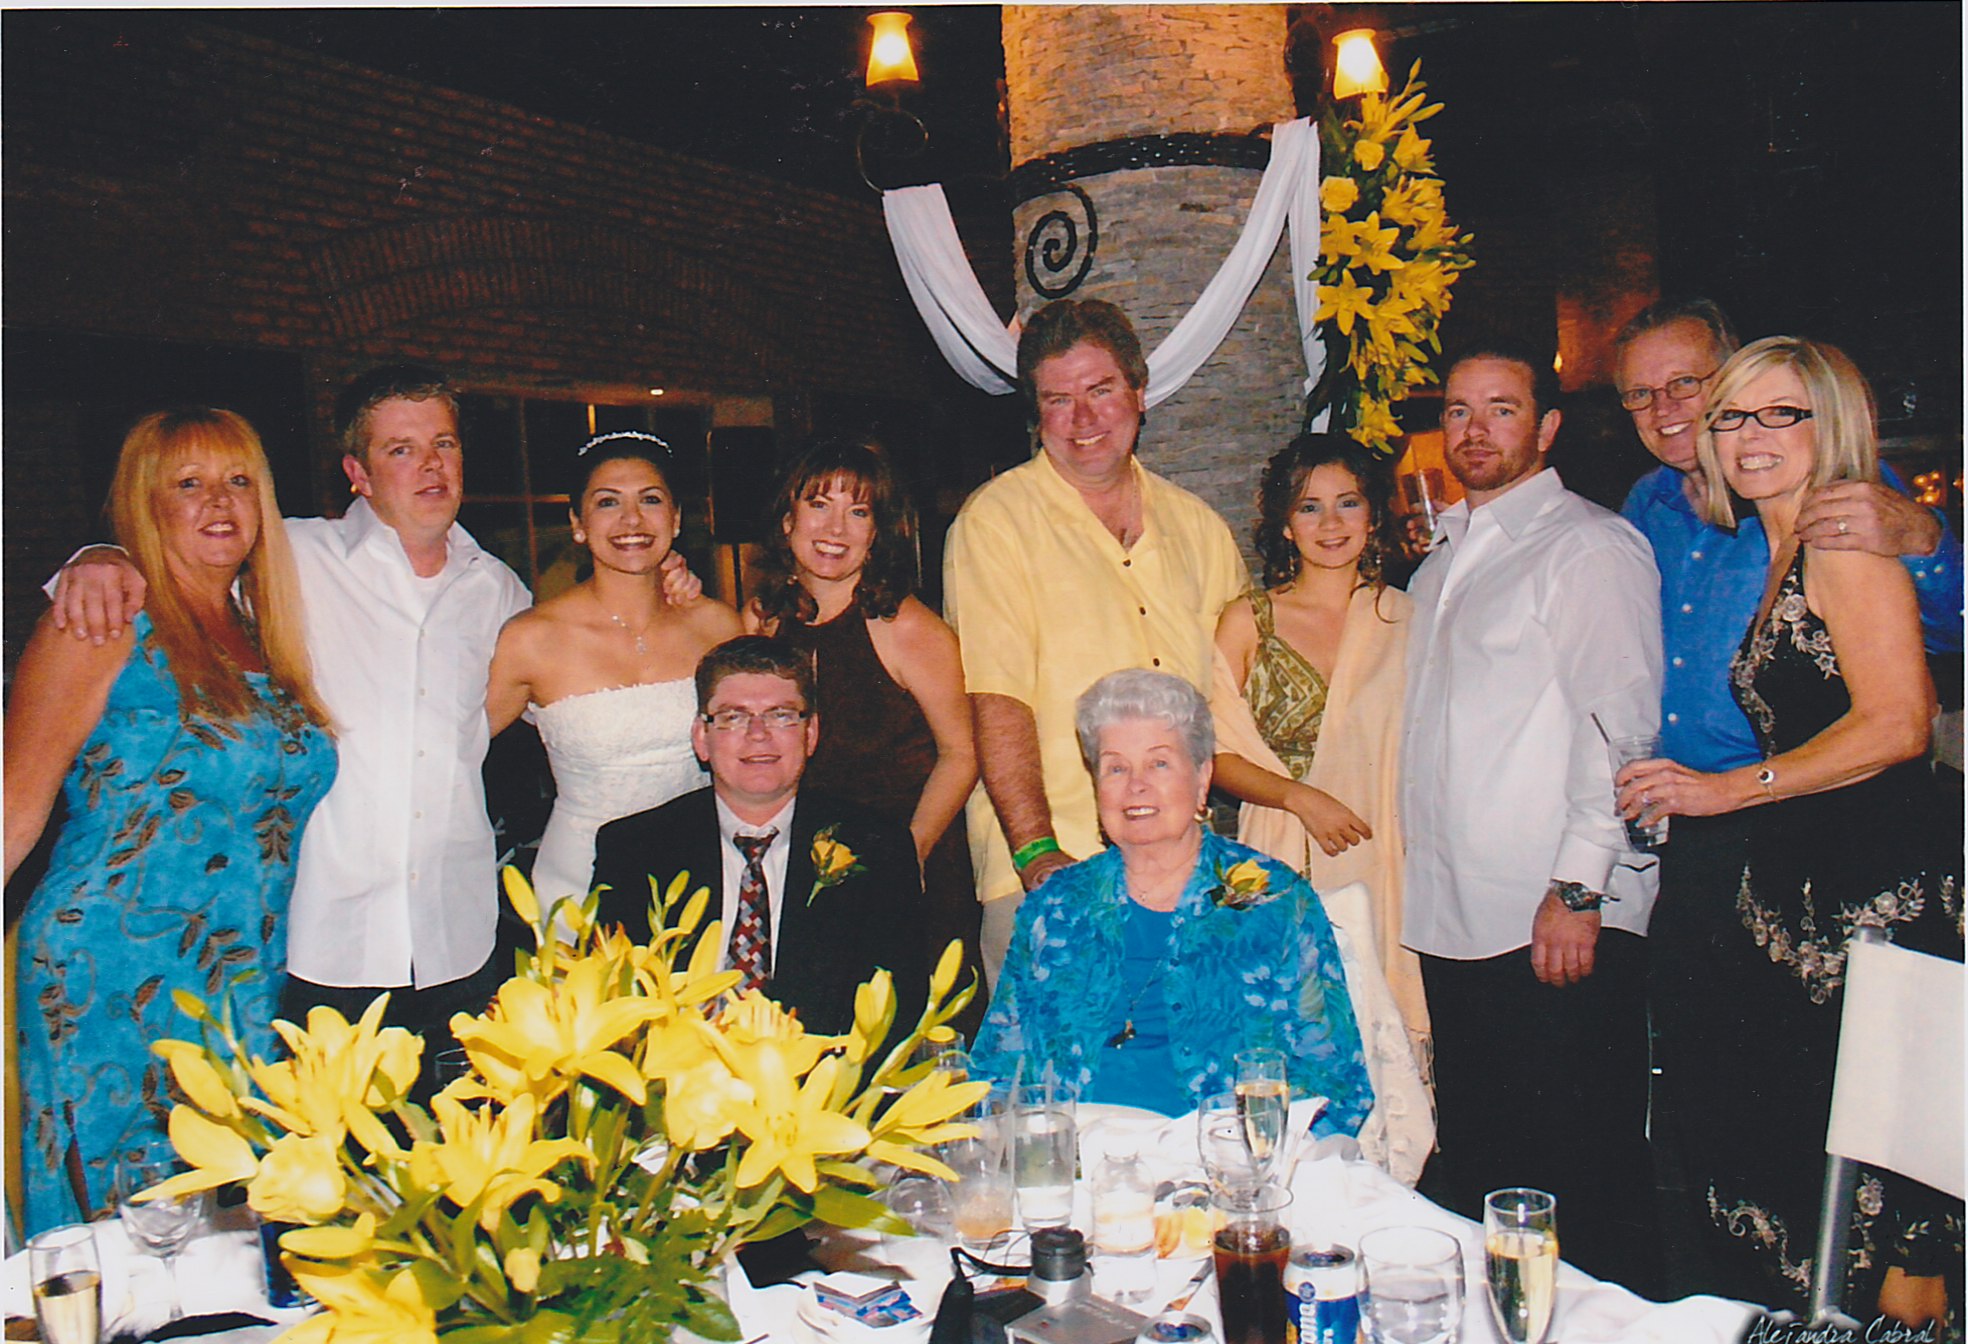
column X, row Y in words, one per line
column 1022, row 857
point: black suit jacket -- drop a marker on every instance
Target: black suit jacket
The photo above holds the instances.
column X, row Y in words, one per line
column 825, row 947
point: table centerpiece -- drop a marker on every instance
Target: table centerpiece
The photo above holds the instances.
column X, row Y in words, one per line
column 624, row 1126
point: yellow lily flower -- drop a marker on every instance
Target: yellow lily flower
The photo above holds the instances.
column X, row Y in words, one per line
column 1344, row 302
column 332, row 1243
column 539, row 1038
column 192, row 1071
column 217, row 1155
column 519, row 894
column 491, row 1153
column 790, row 1124
column 1411, row 153
column 701, row 1104
column 300, row 1180
column 1369, row 154
column 364, row 1306
column 753, row 1019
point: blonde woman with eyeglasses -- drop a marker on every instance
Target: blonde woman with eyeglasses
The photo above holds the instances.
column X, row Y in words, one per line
column 1843, row 829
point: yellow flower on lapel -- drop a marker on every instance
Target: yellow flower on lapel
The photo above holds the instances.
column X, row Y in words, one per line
column 833, row 862
column 1241, row 886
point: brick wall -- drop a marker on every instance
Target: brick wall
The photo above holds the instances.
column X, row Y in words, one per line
column 174, row 181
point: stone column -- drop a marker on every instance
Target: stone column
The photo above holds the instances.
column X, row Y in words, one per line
column 1129, row 131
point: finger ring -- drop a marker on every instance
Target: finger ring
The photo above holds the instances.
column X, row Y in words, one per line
column 1842, row 529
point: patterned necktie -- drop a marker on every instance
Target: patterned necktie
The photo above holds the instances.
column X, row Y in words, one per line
column 750, row 949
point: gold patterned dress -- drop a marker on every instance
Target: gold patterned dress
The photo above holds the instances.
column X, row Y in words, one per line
column 1286, row 693
column 1881, row 852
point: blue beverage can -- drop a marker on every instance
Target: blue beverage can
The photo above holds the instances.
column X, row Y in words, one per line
column 1322, row 1296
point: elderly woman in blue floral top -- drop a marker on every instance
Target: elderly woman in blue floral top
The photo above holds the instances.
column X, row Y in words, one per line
column 1139, row 973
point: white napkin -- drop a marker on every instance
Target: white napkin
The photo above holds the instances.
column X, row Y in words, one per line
column 1168, row 1143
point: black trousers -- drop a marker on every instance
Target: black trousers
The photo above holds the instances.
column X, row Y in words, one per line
column 1546, row 1087
column 426, row 1011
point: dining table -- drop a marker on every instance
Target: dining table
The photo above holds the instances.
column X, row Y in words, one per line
column 1337, row 1197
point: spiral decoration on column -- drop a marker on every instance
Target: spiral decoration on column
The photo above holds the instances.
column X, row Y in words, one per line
column 1053, row 247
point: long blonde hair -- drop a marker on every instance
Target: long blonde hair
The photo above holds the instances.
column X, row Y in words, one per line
column 209, row 684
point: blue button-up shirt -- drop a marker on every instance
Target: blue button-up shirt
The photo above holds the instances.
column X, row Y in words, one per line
column 1711, row 584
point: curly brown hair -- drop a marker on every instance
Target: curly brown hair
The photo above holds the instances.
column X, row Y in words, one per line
column 1284, row 481
column 861, row 467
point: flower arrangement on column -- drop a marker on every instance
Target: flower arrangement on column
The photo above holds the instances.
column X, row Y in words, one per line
column 625, row 1125
column 1388, row 257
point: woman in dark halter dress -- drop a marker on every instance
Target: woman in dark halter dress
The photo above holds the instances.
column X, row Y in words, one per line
column 1846, row 831
column 894, row 720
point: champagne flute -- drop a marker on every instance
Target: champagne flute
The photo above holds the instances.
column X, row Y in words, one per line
column 1223, row 1141
column 1264, row 1101
column 157, row 1227
column 1520, row 1254
column 1413, row 1283
column 67, row 1278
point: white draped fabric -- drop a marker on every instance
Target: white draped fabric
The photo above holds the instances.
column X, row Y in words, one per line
column 984, row 352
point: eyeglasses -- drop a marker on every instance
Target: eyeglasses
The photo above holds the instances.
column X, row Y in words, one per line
column 741, row 720
column 1677, row 389
column 1770, row 417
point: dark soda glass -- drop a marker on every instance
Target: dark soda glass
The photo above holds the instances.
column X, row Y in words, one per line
column 1250, row 1283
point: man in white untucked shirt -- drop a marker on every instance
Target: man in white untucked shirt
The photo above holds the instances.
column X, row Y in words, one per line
column 1536, row 630
column 394, row 888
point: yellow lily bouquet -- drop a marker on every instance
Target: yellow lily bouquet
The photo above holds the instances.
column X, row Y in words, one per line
column 625, row 1126
column 1388, row 255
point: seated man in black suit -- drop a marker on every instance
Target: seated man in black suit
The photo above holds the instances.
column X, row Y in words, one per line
column 750, row 837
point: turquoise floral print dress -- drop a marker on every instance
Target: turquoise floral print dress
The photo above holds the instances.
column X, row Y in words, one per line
column 173, row 871
column 1247, row 963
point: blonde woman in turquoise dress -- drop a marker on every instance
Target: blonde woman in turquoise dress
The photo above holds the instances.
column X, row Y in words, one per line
column 190, row 749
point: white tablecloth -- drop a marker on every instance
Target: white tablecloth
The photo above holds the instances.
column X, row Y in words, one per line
column 219, row 1271
column 1335, row 1199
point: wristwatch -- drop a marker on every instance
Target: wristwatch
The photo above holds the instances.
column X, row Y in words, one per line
column 1577, row 897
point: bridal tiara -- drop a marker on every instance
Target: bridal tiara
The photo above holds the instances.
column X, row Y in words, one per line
column 636, row 434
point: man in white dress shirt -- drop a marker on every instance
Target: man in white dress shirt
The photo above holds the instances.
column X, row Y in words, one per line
column 1535, row 613
column 394, row 888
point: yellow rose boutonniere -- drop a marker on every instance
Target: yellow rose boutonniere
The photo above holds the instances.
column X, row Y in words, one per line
column 1241, row 886
column 833, row 862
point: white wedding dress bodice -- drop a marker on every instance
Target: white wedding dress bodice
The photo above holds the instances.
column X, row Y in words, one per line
column 614, row 753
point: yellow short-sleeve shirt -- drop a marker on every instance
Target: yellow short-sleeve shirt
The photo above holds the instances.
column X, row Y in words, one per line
column 1045, row 602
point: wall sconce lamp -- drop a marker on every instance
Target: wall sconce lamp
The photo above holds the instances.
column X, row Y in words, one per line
column 890, row 58
column 1356, row 65
column 888, row 129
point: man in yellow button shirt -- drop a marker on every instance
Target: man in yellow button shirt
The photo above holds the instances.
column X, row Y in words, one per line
column 1075, row 564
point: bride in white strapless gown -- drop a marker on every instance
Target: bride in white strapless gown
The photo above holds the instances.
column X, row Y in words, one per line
column 605, row 667
column 614, row 753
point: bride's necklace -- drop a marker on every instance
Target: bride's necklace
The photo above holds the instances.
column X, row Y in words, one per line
column 641, row 646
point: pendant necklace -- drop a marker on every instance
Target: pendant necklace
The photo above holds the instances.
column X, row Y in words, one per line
column 1127, row 1032
column 641, row 648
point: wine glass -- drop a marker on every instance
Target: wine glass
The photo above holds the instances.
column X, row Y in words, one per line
column 67, row 1278
column 1223, row 1140
column 1520, row 1258
column 1264, row 1099
column 157, row 1227
column 1413, row 1286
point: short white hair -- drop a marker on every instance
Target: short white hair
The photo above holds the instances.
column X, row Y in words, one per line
column 1141, row 693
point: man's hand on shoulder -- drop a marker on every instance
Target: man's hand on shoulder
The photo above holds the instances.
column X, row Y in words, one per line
column 1867, row 516
column 680, row 586
column 1563, row 942
column 97, row 594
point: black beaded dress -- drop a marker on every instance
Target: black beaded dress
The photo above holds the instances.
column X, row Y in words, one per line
column 1882, row 852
